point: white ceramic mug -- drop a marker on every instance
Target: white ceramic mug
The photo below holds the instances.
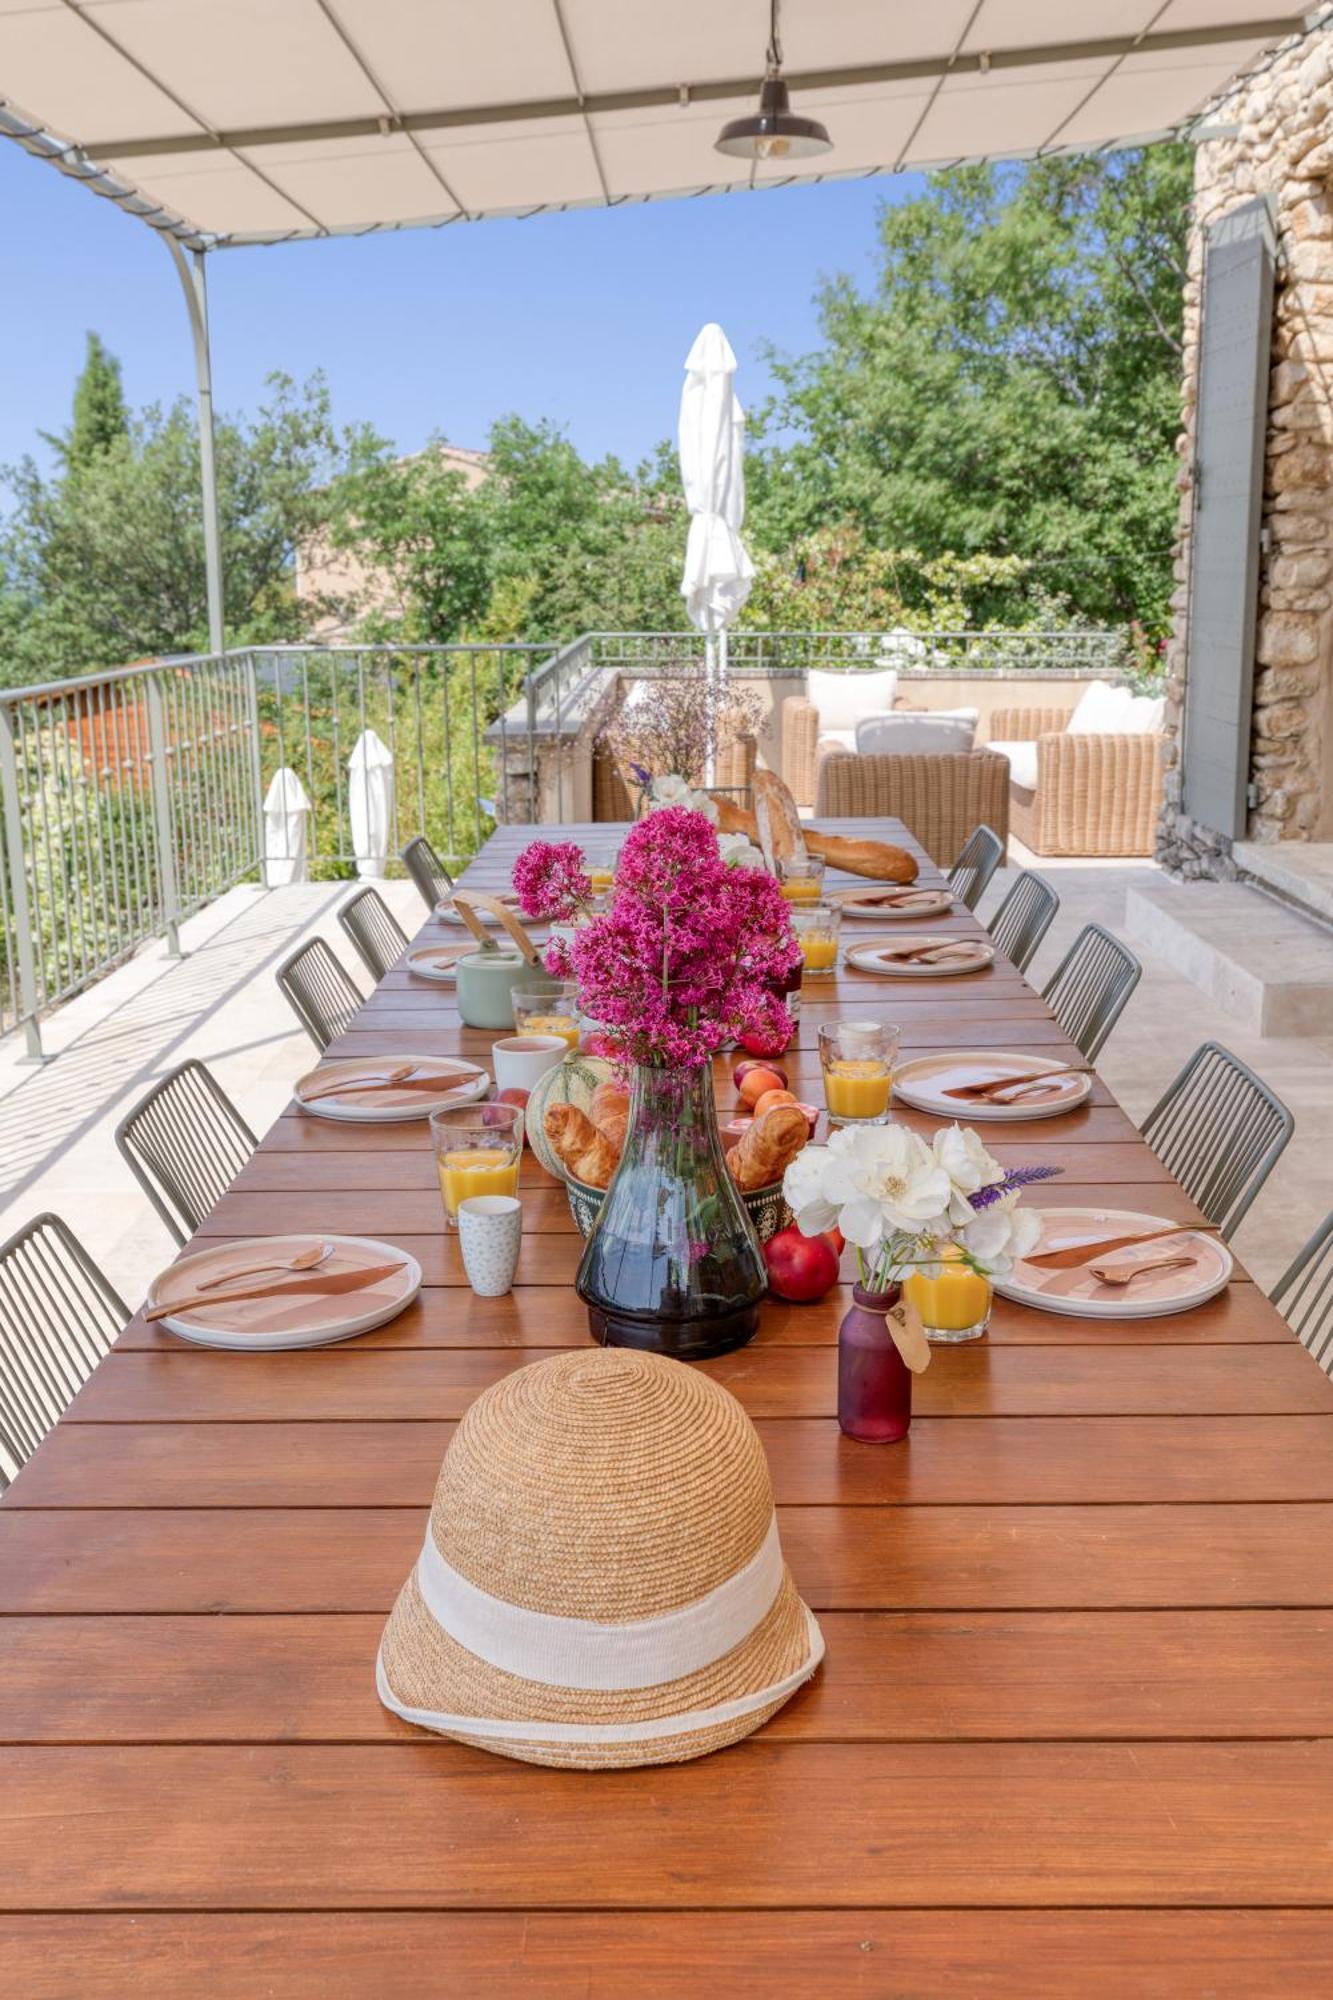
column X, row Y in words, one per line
column 490, row 1227
column 521, row 1059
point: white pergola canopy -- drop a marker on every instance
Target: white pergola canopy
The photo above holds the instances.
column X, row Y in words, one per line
column 228, row 122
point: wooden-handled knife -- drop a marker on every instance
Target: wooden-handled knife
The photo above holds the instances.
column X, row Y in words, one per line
column 329, row 1282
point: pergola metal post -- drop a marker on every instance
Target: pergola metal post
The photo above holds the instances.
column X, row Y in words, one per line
column 194, row 284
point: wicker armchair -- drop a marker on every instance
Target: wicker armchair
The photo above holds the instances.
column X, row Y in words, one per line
column 800, row 744
column 1095, row 795
column 940, row 799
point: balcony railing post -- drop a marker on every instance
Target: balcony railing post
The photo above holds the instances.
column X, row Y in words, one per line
column 163, row 828
column 12, row 810
column 256, row 762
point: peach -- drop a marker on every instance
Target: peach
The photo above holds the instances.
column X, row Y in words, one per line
column 772, row 1097
column 755, row 1082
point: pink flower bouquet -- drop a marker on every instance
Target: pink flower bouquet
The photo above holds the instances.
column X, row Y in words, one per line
column 691, row 953
column 551, row 882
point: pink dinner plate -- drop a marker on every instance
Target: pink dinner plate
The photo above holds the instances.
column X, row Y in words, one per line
column 438, row 961
column 1082, row 1296
column 460, row 1083
column 878, row 955
column 866, row 908
column 302, row 1319
column 923, row 1082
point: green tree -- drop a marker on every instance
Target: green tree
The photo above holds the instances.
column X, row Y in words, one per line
column 106, row 557
column 101, row 420
column 1010, row 386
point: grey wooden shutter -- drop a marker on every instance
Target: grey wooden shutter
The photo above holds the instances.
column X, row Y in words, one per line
column 1235, row 341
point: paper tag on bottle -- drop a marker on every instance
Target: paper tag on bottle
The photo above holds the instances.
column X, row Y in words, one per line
column 909, row 1335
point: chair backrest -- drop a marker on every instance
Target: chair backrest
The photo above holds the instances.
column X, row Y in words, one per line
column 1089, row 987
column 58, row 1317
column 374, row 930
column 1304, row 1295
column 939, row 799
column 980, row 856
column 1220, row 1130
column 427, row 870
column 322, row 995
column 1024, row 917
column 185, row 1143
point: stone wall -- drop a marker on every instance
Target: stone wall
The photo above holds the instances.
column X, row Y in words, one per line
column 1283, row 147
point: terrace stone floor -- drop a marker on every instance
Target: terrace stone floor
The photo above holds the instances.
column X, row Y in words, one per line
column 220, row 1003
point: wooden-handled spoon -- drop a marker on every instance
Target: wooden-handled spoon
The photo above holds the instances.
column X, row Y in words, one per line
column 999, row 1084
column 301, row 1260
column 1123, row 1274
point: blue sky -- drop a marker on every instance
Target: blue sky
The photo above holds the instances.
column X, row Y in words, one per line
column 585, row 318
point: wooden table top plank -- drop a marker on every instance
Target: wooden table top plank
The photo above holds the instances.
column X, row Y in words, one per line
column 1099, row 1540
column 1113, row 1557
column 1232, row 1954
column 891, row 1677
column 323, row 1826
column 1027, row 1461
column 970, row 1382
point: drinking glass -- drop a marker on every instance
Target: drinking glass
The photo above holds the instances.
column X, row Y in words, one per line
column 857, row 1059
column 599, row 865
column 816, row 928
column 552, row 1009
column 955, row 1306
column 801, row 880
column 477, row 1150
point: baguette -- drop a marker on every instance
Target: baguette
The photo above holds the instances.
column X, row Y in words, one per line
column 875, row 859
column 778, row 821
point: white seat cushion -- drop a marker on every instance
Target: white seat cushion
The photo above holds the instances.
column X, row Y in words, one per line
column 1104, row 710
column 1022, row 763
column 837, row 739
column 843, row 698
column 906, row 734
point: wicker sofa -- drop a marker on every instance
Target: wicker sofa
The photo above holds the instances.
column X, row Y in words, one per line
column 940, row 799
column 1095, row 794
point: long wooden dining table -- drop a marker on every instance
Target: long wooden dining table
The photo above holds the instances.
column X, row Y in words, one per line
column 1072, row 1735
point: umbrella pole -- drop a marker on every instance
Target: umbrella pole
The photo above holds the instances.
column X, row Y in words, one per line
column 711, row 684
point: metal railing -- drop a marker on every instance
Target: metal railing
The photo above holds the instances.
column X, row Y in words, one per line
column 129, row 800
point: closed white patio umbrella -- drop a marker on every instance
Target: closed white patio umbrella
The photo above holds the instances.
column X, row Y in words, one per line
column 286, row 827
column 718, row 572
column 370, row 802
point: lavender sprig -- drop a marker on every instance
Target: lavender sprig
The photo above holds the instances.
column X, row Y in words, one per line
column 1017, row 1177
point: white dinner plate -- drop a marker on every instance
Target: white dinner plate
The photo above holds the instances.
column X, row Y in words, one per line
column 460, row 1083
column 923, row 1082
column 875, row 957
column 447, row 914
column 438, row 961
column 303, row 1319
column 1082, row 1296
column 926, row 903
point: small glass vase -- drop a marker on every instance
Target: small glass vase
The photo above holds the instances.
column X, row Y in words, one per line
column 673, row 1263
column 874, row 1382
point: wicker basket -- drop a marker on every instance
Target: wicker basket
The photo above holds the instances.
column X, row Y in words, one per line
column 765, row 1207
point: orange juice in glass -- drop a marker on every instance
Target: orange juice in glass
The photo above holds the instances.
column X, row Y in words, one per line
column 816, row 928
column 801, row 879
column 857, row 1058
column 953, row 1307
column 549, row 1010
column 599, row 865
column 477, row 1150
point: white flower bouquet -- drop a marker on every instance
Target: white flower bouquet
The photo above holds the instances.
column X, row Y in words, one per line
column 906, row 1205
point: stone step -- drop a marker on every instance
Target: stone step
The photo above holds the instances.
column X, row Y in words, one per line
column 1300, row 872
column 1269, row 968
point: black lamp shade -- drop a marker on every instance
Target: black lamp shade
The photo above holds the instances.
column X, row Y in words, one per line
column 773, row 132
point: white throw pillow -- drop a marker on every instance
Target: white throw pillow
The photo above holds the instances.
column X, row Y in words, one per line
column 843, row 698
column 1102, row 711
column 908, row 735
column 1022, row 763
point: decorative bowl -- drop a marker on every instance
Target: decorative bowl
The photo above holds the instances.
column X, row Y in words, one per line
column 765, row 1207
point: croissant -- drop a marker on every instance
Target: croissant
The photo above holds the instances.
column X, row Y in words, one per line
column 609, row 1112
column 584, row 1152
column 767, row 1148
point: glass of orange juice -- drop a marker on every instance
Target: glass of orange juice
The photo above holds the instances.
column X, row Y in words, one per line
column 955, row 1306
column 816, row 928
column 552, row 1009
column 857, row 1059
column 599, row 865
column 801, row 879
column 477, row 1150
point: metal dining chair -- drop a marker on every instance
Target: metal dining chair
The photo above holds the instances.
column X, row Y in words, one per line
column 1304, row 1295
column 185, row 1143
column 981, row 855
column 58, row 1317
column 374, row 930
column 1220, row 1130
column 1089, row 987
column 321, row 994
column 427, row 870
column 1024, row 917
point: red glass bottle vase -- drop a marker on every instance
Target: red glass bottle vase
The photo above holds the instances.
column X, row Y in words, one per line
column 874, row 1382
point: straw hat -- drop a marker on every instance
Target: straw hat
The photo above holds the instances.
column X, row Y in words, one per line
column 601, row 1581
